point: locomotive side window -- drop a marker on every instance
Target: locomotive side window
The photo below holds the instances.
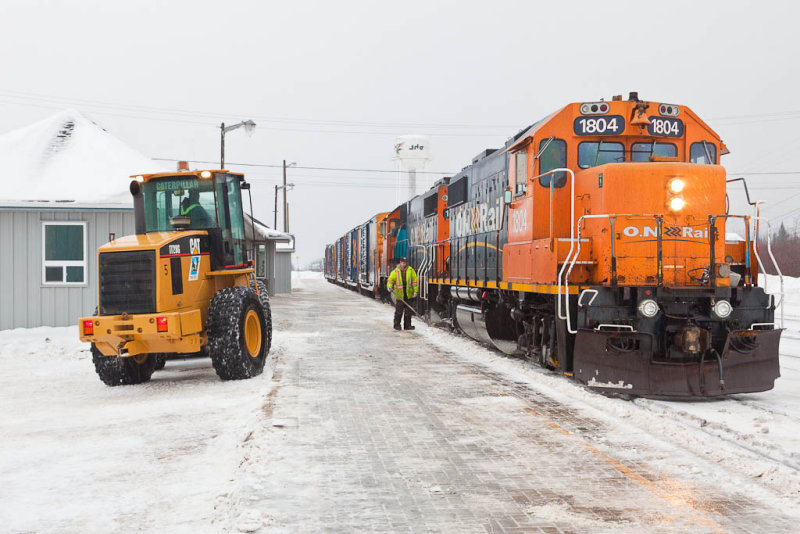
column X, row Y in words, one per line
column 592, row 154
column 643, row 151
column 521, row 172
column 552, row 155
column 703, row 152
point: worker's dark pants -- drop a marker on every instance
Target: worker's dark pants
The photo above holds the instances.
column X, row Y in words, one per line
column 399, row 309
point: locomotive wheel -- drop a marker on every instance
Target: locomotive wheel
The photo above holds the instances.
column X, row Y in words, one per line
column 116, row 371
column 237, row 333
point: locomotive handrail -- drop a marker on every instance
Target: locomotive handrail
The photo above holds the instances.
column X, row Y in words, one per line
column 774, row 262
column 572, row 259
column 759, row 262
column 571, row 219
column 594, row 294
column 572, row 196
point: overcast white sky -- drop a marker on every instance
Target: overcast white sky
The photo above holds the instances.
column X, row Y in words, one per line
column 330, row 84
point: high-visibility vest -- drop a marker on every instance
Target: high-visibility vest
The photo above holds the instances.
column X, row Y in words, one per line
column 185, row 211
column 395, row 283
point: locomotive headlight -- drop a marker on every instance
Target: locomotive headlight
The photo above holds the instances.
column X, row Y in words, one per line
column 722, row 309
column 648, row 308
column 677, row 185
column 677, row 204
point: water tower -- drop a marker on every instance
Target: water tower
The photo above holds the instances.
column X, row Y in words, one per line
column 412, row 153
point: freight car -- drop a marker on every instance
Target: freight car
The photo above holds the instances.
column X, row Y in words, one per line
column 597, row 242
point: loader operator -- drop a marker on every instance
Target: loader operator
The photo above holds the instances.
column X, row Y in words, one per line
column 190, row 206
column 403, row 285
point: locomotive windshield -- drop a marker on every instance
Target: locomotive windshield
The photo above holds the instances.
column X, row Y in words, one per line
column 643, row 151
column 591, row 154
column 703, row 152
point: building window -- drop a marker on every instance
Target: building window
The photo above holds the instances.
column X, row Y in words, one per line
column 64, row 253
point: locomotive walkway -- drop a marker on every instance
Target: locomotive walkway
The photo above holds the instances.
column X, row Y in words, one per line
column 368, row 429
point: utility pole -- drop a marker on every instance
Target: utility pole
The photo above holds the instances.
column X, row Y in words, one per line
column 285, row 215
column 222, row 146
column 275, row 224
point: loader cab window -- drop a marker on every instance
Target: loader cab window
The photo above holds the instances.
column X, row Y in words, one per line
column 231, row 217
column 703, row 152
column 168, row 199
column 643, row 151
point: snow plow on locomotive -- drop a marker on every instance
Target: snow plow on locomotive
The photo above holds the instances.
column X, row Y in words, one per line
column 598, row 242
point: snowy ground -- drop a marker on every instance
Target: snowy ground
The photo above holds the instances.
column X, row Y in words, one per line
column 363, row 428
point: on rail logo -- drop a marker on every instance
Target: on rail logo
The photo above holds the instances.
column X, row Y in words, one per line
column 687, row 232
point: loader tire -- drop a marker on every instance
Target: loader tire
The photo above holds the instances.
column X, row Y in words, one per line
column 116, row 371
column 159, row 361
column 264, row 298
column 237, row 333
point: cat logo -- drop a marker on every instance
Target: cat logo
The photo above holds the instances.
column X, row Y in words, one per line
column 194, row 245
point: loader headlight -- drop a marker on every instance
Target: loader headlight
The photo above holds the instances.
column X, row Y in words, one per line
column 648, row 308
column 677, row 185
column 677, row 204
column 722, row 309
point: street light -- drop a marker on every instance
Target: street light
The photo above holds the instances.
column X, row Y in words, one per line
column 284, row 187
column 249, row 127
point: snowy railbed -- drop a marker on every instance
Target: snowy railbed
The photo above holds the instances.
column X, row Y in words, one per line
column 756, row 435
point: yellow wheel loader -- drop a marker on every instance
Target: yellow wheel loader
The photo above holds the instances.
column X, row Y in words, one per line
column 183, row 285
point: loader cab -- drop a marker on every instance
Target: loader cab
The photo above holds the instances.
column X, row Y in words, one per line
column 203, row 200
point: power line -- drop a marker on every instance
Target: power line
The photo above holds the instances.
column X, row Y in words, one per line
column 222, row 116
column 274, row 166
column 765, row 173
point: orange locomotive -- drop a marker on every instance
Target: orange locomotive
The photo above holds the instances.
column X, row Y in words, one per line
column 595, row 243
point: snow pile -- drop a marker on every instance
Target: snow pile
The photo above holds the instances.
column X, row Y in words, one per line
column 307, row 275
column 69, row 157
column 299, row 278
column 45, row 342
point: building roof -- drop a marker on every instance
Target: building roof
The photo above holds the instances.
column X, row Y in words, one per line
column 264, row 232
column 67, row 157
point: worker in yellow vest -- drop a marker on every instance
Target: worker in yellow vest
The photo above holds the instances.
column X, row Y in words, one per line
column 402, row 284
column 191, row 207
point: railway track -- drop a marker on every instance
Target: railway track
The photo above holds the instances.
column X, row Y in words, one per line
column 752, row 442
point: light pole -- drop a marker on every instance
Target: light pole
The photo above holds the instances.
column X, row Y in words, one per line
column 249, row 127
column 277, row 187
column 285, row 206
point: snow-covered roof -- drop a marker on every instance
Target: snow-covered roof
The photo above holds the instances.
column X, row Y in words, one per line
column 68, row 157
column 264, row 232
